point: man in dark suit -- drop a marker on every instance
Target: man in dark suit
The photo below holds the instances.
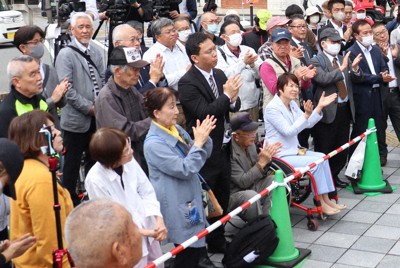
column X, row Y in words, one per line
column 333, row 77
column 368, row 91
column 298, row 28
column 390, row 94
column 204, row 91
column 336, row 8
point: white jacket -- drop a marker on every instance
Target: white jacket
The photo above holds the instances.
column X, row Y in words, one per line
column 248, row 92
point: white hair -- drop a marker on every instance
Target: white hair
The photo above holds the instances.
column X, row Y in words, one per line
column 79, row 15
column 118, row 32
column 16, row 66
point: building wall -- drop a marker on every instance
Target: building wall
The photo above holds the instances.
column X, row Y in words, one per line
column 238, row 4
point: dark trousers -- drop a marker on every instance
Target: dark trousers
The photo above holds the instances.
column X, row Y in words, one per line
column 360, row 125
column 189, row 257
column 391, row 108
column 328, row 137
column 76, row 144
column 217, row 174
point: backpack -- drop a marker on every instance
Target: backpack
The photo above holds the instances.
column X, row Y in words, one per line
column 253, row 244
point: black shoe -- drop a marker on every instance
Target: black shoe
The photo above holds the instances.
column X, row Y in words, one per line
column 383, row 160
column 217, row 247
column 340, row 184
column 205, row 262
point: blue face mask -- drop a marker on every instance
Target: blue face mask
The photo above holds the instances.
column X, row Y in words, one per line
column 212, row 28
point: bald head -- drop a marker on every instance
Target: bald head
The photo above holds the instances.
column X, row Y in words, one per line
column 208, row 17
column 125, row 35
column 100, row 233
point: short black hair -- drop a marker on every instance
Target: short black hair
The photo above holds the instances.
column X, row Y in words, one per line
column 284, row 79
column 296, row 17
column 357, row 25
column 193, row 44
column 210, row 5
column 226, row 24
column 26, row 33
column 293, row 9
column 332, row 2
column 348, row 4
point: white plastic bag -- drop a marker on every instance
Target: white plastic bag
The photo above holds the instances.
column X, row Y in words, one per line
column 355, row 165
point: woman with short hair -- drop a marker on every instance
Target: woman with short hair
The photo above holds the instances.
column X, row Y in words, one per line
column 33, row 211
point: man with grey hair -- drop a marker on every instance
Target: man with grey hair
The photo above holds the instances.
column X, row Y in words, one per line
column 120, row 105
column 150, row 75
column 100, row 233
column 174, row 53
column 82, row 64
column 25, row 87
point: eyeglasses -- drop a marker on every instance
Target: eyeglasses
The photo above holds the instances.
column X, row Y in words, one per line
column 35, row 41
column 128, row 151
column 210, row 51
column 298, row 27
column 381, row 32
column 131, row 40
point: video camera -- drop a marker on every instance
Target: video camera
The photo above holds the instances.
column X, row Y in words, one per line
column 66, row 7
column 116, row 10
column 161, row 8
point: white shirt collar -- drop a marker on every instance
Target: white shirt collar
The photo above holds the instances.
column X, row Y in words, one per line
column 204, row 73
column 330, row 57
column 363, row 48
column 82, row 47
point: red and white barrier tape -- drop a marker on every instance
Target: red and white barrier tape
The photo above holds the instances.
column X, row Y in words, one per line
column 252, row 200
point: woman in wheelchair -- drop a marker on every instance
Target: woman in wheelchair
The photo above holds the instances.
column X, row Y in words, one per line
column 249, row 169
column 284, row 120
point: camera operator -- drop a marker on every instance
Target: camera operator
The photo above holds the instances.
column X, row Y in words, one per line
column 122, row 11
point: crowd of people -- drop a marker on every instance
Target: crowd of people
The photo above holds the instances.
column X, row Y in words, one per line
column 160, row 125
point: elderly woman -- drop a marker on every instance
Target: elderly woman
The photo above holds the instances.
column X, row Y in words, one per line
column 249, row 169
column 174, row 161
column 33, row 211
column 284, row 120
column 118, row 176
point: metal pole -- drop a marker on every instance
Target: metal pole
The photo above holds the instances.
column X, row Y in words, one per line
column 251, row 14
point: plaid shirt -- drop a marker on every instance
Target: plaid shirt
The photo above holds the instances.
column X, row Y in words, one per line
column 265, row 51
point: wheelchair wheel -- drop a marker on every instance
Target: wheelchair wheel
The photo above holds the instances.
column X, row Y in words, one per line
column 300, row 189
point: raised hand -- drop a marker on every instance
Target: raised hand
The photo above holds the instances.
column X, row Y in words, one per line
column 202, row 131
column 296, row 52
column 356, row 62
column 325, row 101
column 387, row 77
column 266, row 153
column 345, row 62
column 232, row 85
column 60, row 90
column 250, row 58
column 156, row 71
column 308, row 108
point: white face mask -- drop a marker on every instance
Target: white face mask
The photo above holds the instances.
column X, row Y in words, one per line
column 332, row 49
column 339, row 16
column 360, row 16
column 367, row 40
column 235, row 39
column 314, row 19
column 184, row 35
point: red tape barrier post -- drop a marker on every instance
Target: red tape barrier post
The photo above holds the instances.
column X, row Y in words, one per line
column 252, row 200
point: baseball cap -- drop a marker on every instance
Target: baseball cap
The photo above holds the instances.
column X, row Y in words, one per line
column 279, row 34
column 13, row 161
column 359, row 7
column 276, row 21
column 330, row 33
column 243, row 121
column 312, row 10
column 127, row 56
column 263, row 15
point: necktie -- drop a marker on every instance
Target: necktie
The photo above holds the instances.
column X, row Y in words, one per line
column 306, row 56
column 96, row 88
column 213, row 86
column 340, row 84
column 140, row 81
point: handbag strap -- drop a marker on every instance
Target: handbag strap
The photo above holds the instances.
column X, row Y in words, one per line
column 87, row 57
column 204, row 184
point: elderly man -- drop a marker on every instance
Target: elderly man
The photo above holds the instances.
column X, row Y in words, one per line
column 120, row 105
column 280, row 62
column 209, row 24
column 100, row 233
column 150, row 76
column 83, row 66
column 173, row 53
column 204, row 91
column 25, row 92
column 234, row 59
column 182, row 26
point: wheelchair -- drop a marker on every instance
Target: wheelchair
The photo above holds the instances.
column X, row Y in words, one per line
column 300, row 191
